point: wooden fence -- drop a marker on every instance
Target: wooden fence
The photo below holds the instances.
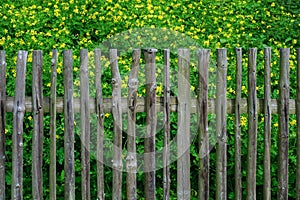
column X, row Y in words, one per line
column 184, row 104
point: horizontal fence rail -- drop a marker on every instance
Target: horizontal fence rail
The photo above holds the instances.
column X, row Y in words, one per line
column 184, row 104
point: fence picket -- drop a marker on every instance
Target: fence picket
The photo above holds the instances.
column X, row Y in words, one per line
column 252, row 125
column 100, row 125
column 203, row 65
column 17, row 138
column 2, row 121
column 38, row 125
column 52, row 178
column 69, row 126
column 183, row 135
column 85, row 125
column 267, row 124
column 283, row 135
column 117, row 116
column 237, row 125
column 166, row 153
column 221, row 154
column 298, row 126
column 149, row 156
column 131, row 160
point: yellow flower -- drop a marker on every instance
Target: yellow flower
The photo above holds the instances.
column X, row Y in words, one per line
column 6, row 131
column 107, row 114
column 273, row 4
column 243, row 121
column 48, row 85
column 276, row 125
column 29, row 118
column 58, row 70
column 292, row 123
column 229, row 78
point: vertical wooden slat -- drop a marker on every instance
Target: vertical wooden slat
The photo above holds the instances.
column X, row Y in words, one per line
column 298, row 126
column 149, row 155
column 237, row 136
column 69, row 126
column 85, row 126
column 100, row 125
column 117, row 116
column 221, row 150
column 267, row 124
column 17, row 138
column 283, row 135
column 166, row 153
column 2, row 121
column 38, row 125
column 131, row 160
column 183, row 135
column 202, row 111
column 52, row 178
column 252, row 125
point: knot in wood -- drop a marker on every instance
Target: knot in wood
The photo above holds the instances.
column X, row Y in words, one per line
column 133, row 83
column 21, row 108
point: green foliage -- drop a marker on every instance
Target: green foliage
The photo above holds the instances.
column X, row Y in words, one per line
column 47, row 25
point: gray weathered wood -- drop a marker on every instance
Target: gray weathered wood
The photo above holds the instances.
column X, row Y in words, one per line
column 283, row 135
column 202, row 112
column 117, row 116
column 183, row 134
column 131, row 160
column 221, row 150
column 38, row 125
column 237, row 127
column 100, row 125
column 298, row 126
column 267, row 124
column 18, row 119
column 2, row 121
column 149, row 156
column 252, row 125
column 85, row 125
column 69, row 126
column 159, row 103
column 167, row 128
column 52, row 178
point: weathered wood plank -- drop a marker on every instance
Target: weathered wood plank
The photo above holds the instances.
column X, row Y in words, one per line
column 298, row 126
column 159, row 103
column 237, row 127
column 52, row 178
column 149, row 155
column 85, row 125
column 117, row 116
column 267, row 124
column 183, row 134
column 167, row 128
column 202, row 112
column 283, row 135
column 38, row 125
column 2, row 121
column 252, row 125
column 69, row 126
column 221, row 150
column 131, row 160
column 100, row 125
column 18, row 119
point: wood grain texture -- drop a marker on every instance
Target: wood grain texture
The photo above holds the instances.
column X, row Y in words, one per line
column 117, row 117
column 85, row 125
column 252, row 125
column 100, row 125
column 38, row 125
column 283, row 135
column 69, row 160
column 183, row 133
column 202, row 112
column 149, row 156
column 18, row 119
column 237, row 127
column 52, row 110
column 221, row 154
column 298, row 126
